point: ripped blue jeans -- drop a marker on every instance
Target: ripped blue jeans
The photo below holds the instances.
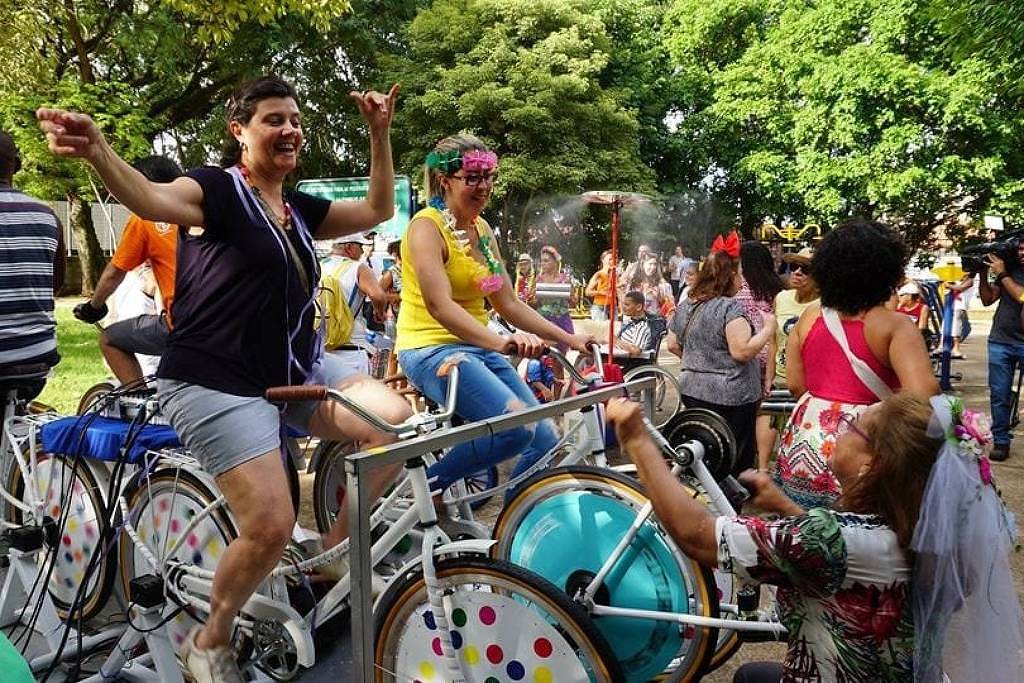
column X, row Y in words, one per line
column 488, row 387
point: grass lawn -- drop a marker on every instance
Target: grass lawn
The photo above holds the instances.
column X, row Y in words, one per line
column 81, row 364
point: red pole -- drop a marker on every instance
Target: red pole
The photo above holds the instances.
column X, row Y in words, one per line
column 613, row 293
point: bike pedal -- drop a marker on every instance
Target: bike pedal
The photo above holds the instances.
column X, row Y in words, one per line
column 146, row 591
column 760, row 637
column 25, row 538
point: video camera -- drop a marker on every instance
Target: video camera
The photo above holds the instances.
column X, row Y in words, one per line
column 972, row 255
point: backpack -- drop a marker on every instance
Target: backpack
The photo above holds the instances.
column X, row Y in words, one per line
column 334, row 309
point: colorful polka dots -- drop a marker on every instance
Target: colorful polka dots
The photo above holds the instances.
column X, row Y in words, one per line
column 456, row 640
column 436, row 647
column 459, row 617
column 427, row 670
column 542, row 674
column 495, row 654
column 543, row 648
column 472, row 655
column 487, row 615
column 429, row 621
column 515, row 670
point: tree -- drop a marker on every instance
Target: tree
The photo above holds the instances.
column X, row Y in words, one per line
column 816, row 112
column 526, row 76
column 140, row 69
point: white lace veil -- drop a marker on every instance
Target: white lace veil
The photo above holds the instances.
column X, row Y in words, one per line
column 967, row 616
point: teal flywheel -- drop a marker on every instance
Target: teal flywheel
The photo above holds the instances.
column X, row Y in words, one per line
column 571, row 534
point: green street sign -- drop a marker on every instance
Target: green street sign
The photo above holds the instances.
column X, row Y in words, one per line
column 354, row 189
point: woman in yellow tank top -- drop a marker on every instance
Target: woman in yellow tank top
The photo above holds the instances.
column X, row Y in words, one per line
column 450, row 264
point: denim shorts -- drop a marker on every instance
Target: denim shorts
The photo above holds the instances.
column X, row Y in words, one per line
column 145, row 334
column 223, row 430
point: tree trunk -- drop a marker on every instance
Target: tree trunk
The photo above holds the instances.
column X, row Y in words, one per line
column 90, row 255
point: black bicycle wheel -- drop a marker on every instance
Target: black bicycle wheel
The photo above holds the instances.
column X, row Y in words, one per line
column 93, row 394
column 506, row 623
column 329, row 481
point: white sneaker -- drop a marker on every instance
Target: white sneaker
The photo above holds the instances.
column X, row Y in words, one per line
column 214, row 665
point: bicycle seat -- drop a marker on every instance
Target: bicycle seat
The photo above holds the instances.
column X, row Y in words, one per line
column 103, row 438
column 15, row 377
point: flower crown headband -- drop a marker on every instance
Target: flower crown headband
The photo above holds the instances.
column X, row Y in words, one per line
column 473, row 161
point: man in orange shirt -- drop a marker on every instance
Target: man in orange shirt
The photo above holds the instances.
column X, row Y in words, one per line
column 141, row 241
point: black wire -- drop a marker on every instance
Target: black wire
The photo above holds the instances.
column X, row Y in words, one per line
column 107, row 535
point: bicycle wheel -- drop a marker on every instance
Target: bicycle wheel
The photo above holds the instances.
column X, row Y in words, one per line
column 93, row 394
column 543, row 528
column 73, row 498
column 483, row 480
column 161, row 507
column 329, row 481
column 508, row 624
column 667, row 400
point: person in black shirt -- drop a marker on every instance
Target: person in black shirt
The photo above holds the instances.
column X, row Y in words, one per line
column 1005, row 342
column 244, row 311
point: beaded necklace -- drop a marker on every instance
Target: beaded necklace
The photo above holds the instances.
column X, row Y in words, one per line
column 285, row 222
column 491, row 278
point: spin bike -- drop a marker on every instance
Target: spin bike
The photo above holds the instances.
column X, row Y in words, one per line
column 453, row 613
column 592, row 533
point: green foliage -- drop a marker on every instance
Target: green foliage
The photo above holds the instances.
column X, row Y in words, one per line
column 818, row 112
column 526, row 76
column 81, row 364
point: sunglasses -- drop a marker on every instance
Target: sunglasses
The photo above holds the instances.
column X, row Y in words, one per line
column 849, row 422
column 475, row 180
column 799, row 268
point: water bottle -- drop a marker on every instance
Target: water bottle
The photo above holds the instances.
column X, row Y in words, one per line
column 379, row 341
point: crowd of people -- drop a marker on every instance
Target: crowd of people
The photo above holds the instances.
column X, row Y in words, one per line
column 855, row 477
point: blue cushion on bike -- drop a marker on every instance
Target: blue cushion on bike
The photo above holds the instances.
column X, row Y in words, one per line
column 105, row 437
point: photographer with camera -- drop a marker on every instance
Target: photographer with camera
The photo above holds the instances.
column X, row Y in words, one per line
column 1006, row 339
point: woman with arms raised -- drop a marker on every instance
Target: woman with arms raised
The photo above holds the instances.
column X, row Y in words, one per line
column 246, row 279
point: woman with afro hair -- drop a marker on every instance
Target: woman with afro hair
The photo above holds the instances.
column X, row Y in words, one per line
column 846, row 353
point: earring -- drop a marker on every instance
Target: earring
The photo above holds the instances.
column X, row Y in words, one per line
column 245, row 147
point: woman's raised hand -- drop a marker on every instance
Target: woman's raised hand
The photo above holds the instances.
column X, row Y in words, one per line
column 377, row 108
column 70, row 134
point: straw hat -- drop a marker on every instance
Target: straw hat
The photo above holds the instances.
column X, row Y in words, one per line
column 803, row 257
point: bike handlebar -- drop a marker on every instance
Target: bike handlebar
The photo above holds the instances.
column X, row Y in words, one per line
column 416, row 423
column 306, row 392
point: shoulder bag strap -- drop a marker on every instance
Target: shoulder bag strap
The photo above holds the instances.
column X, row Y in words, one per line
column 689, row 322
column 863, row 371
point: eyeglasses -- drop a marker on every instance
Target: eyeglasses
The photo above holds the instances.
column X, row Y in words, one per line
column 798, row 268
column 849, row 422
column 475, row 180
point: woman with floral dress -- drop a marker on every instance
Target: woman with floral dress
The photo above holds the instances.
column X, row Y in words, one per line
column 846, row 353
column 866, row 590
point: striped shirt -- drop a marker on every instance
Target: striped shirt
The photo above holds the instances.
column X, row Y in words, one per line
column 637, row 331
column 29, row 234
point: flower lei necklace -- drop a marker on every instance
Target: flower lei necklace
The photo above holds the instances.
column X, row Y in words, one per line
column 284, row 222
column 490, row 278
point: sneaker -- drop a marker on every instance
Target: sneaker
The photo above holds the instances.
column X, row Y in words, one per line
column 214, row 665
column 1000, row 452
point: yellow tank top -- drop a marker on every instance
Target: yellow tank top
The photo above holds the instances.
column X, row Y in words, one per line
column 416, row 327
